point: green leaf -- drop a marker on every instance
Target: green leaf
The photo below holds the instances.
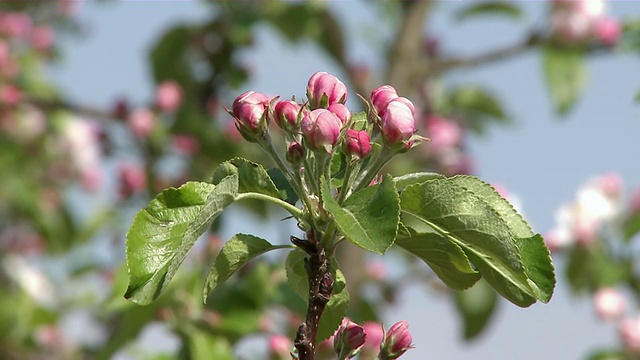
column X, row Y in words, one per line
column 502, row 8
column 590, row 268
column 442, row 255
column 369, row 217
column 476, row 306
column 632, row 226
column 169, row 56
column 608, row 354
column 486, row 228
column 235, row 253
column 403, row 181
column 280, row 181
column 252, row 177
column 565, row 76
column 534, row 253
column 476, row 106
column 335, row 309
column 360, row 121
column 163, row 233
column 205, row 346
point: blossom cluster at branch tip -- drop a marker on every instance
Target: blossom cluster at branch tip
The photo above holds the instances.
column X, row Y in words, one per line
column 350, row 339
column 580, row 21
column 324, row 123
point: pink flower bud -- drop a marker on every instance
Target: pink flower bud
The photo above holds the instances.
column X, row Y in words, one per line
column 381, row 96
column 607, row 30
column 609, row 304
column 396, row 341
column 321, row 129
column 325, row 89
column 279, row 347
column 398, row 123
column 341, row 111
column 286, row 115
column 295, row 153
column 358, row 143
column 169, row 96
column 349, row 337
column 141, row 122
column 42, row 38
column 375, row 333
column 629, row 332
column 251, row 110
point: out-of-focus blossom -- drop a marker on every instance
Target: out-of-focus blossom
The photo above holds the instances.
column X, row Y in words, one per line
column 607, row 30
column 185, row 144
column 376, row 270
column 279, row 347
column 81, row 139
column 444, row 134
column 48, row 336
column 15, row 24
column 375, row 333
column 324, row 89
column 634, row 203
column 597, row 203
column 169, row 96
column 32, row 281
column 629, row 332
column 609, row 304
column 10, row 95
column 42, row 38
column 141, row 122
column 132, row 179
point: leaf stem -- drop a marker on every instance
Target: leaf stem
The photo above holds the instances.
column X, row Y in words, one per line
column 294, row 211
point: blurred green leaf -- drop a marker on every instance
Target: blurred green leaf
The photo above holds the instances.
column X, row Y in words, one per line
column 565, row 75
column 205, row 346
column 632, row 226
column 489, row 8
column 169, row 56
column 609, row 354
column 235, row 253
column 590, row 268
column 475, row 107
column 472, row 215
column 476, row 306
column 163, row 233
column 369, row 217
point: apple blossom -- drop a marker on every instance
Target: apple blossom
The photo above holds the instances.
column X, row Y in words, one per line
column 168, row 96
column 375, row 333
column 251, row 114
column 357, row 143
column 286, row 115
column 398, row 123
column 381, row 96
column 444, row 134
column 629, row 332
column 341, row 111
column 348, row 339
column 321, row 129
column 42, row 38
column 324, row 89
column 185, row 144
column 609, row 304
column 141, row 122
column 607, row 30
column 396, row 341
column 279, row 347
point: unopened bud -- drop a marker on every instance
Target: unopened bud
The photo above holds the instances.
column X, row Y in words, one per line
column 324, row 90
column 321, row 129
column 250, row 112
column 358, row 143
column 398, row 122
column 286, row 114
column 348, row 339
column 295, row 153
column 381, row 96
column 341, row 111
column 396, row 341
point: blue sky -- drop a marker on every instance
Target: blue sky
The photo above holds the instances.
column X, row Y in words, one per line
column 541, row 158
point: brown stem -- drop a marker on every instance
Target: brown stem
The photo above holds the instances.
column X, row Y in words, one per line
column 320, row 288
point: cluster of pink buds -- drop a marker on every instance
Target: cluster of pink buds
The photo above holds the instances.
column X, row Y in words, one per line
column 324, row 124
column 351, row 339
column 579, row 21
